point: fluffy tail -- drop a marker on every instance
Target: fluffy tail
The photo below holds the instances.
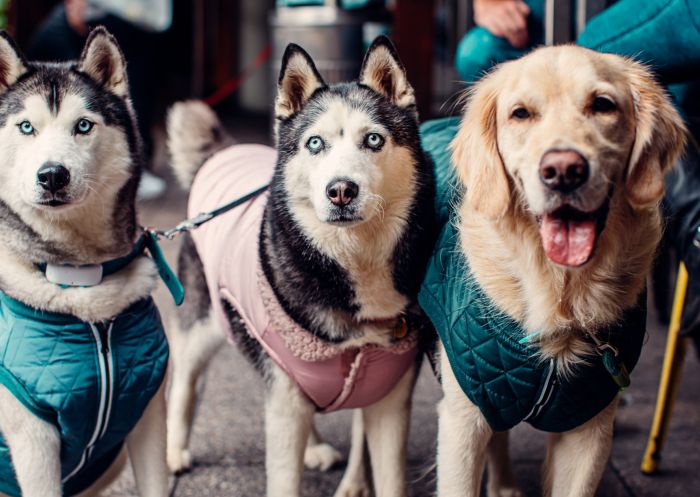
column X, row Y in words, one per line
column 194, row 134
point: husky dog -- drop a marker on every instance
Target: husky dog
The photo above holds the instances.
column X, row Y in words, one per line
column 70, row 165
column 333, row 252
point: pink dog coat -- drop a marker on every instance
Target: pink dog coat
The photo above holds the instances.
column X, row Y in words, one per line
column 332, row 377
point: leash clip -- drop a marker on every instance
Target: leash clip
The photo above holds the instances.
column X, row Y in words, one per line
column 606, row 346
column 186, row 225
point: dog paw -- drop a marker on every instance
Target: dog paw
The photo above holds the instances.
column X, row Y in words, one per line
column 321, row 456
column 505, row 492
column 179, row 460
column 354, row 489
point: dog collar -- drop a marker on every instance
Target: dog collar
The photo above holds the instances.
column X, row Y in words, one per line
column 66, row 275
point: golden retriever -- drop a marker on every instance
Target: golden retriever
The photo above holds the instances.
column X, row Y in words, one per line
column 563, row 154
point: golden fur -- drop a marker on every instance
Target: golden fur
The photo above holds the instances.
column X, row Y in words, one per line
column 497, row 153
column 497, row 158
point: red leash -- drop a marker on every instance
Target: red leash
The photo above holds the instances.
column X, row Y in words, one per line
column 233, row 84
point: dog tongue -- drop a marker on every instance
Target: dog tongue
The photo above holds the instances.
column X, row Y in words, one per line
column 567, row 242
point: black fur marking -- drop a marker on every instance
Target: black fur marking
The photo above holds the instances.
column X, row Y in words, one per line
column 299, row 274
column 249, row 346
column 62, row 79
column 53, row 98
column 190, row 271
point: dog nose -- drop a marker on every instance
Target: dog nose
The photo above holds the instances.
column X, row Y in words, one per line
column 342, row 192
column 563, row 170
column 53, row 176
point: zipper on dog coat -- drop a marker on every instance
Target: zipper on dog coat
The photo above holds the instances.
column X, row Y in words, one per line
column 92, row 381
column 331, row 377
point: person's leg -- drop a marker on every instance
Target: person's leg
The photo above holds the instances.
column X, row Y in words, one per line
column 480, row 50
column 662, row 33
column 55, row 39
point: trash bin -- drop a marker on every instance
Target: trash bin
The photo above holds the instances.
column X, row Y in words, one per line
column 335, row 38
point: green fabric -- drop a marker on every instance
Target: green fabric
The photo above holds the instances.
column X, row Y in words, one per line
column 436, row 136
column 51, row 362
column 479, row 50
column 498, row 373
column 662, row 33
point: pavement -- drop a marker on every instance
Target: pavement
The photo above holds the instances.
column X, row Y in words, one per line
column 228, row 445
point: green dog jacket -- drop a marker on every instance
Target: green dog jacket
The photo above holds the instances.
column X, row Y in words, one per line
column 499, row 374
column 93, row 381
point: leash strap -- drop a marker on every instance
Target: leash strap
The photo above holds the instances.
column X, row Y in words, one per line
column 149, row 241
column 205, row 217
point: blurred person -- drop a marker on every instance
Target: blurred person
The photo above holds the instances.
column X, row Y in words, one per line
column 505, row 30
column 136, row 24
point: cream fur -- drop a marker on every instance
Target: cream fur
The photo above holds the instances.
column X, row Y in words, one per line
column 497, row 157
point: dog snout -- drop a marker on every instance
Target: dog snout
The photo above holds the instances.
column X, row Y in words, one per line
column 342, row 192
column 563, row 170
column 53, row 176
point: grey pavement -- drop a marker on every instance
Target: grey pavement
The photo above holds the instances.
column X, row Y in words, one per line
column 227, row 442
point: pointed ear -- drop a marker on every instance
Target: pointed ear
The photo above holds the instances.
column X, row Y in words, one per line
column 384, row 73
column 298, row 80
column 102, row 60
column 475, row 153
column 12, row 62
column 660, row 138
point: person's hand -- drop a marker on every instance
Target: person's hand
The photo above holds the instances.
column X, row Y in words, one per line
column 75, row 13
column 504, row 18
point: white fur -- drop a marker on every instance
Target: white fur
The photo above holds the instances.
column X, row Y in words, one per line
column 355, row 482
column 291, row 439
column 191, row 126
column 35, row 448
column 100, row 165
column 387, row 186
column 191, row 352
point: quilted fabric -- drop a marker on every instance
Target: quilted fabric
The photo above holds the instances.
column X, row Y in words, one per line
column 436, row 136
column 50, row 362
column 498, row 373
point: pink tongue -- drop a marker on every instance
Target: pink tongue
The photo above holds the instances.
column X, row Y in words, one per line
column 569, row 243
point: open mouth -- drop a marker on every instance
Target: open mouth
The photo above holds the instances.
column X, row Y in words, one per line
column 569, row 236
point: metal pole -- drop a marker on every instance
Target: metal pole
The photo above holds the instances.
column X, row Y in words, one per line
column 557, row 23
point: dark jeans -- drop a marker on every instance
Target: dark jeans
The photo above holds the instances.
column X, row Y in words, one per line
column 55, row 40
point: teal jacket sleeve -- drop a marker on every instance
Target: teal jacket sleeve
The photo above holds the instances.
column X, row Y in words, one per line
column 664, row 34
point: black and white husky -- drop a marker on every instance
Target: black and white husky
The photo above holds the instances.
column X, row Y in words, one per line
column 70, row 163
column 343, row 237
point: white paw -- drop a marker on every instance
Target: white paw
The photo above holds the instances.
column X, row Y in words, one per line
column 321, row 456
column 179, row 460
column 353, row 489
column 508, row 491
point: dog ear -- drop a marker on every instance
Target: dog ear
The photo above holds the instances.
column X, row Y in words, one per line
column 383, row 71
column 12, row 62
column 298, row 81
column 475, row 153
column 660, row 138
column 102, row 60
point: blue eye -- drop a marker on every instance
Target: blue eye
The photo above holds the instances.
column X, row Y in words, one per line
column 84, row 126
column 374, row 141
column 26, row 128
column 315, row 144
